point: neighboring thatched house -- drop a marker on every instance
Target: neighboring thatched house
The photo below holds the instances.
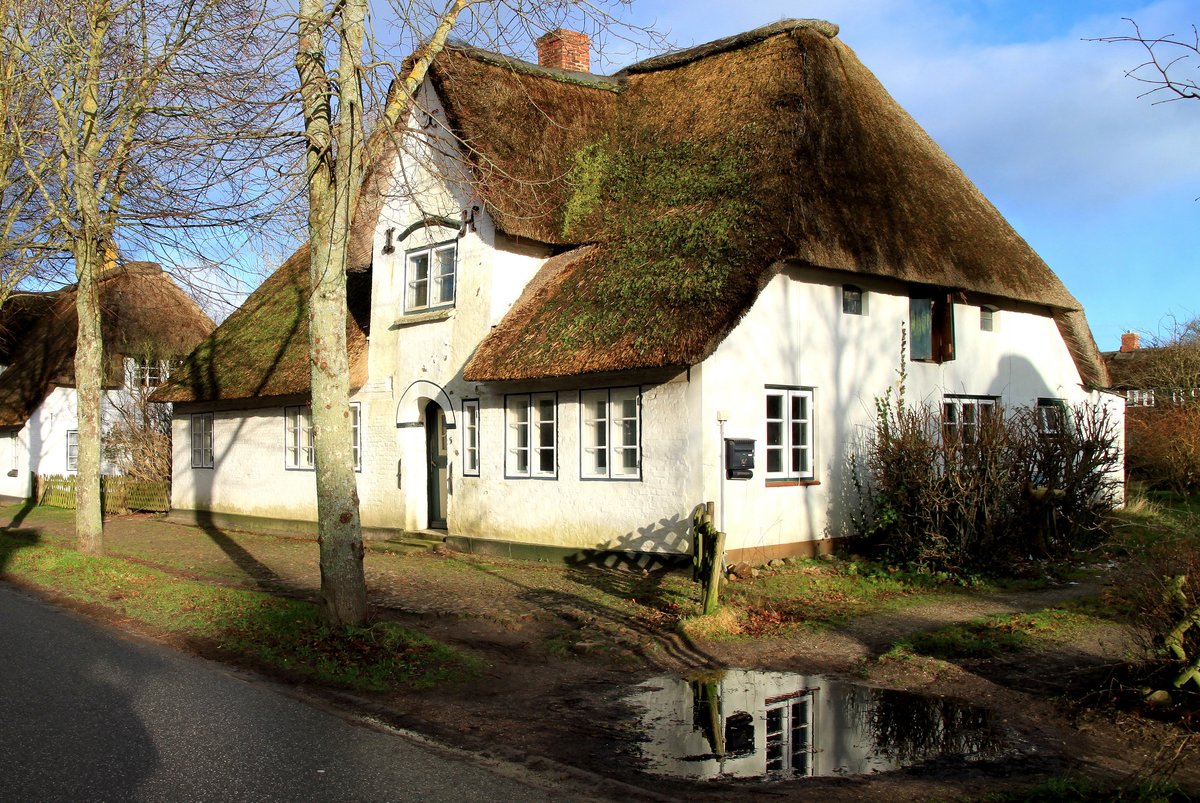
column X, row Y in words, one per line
column 148, row 323
column 575, row 287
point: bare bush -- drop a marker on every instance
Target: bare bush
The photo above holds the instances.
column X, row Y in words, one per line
column 1160, row 587
column 1008, row 489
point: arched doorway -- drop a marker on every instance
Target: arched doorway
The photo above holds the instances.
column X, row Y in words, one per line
column 438, row 464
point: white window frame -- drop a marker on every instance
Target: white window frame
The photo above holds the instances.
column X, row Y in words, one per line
column 356, row 440
column 299, row 442
column 989, row 318
column 72, row 450
column 1051, row 416
column 203, row 437
column 527, row 446
column 416, row 286
column 14, row 443
column 604, row 446
column 299, row 451
column 470, row 462
column 961, row 415
column 790, row 436
column 789, row 730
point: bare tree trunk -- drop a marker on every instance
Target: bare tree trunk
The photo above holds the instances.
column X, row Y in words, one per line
column 89, row 363
column 88, row 251
column 333, row 172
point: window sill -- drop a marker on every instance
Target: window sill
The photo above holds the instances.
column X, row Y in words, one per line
column 415, row 318
column 791, row 483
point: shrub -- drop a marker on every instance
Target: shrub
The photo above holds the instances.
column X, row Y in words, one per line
column 1160, row 587
column 985, row 498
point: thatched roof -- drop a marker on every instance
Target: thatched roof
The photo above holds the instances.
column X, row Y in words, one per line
column 144, row 314
column 262, row 348
column 702, row 173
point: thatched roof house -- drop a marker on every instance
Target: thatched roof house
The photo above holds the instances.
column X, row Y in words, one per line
column 688, row 179
column 262, row 348
column 696, row 175
column 145, row 315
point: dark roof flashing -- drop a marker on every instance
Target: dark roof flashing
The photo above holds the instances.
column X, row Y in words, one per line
column 605, row 82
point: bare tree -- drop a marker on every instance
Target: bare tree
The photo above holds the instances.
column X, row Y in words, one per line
column 139, row 136
column 337, row 153
column 1170, row 68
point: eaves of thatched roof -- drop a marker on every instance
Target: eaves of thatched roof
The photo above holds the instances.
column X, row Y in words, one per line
column 144, row 314
column 830, row 172
column 262, row 349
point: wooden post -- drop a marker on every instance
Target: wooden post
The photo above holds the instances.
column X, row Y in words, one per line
column 712, row 587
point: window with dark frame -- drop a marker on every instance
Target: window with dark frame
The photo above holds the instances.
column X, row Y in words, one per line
column 202, row 440
column 931, row 328
column 853, row 300
column 1051, row 416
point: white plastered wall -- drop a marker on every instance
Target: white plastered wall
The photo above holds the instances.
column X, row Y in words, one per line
column 796, row 335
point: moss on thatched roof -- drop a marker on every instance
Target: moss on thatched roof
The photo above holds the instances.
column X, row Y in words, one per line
column 708, row 169
column 144, row 314
column 262, row 348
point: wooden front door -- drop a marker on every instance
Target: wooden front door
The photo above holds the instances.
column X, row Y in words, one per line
column 435, row 452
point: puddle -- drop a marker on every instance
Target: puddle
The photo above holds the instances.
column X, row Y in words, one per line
column 775, row 725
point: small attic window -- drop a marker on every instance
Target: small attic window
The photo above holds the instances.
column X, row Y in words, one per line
column 987, row 318
column 854, row 300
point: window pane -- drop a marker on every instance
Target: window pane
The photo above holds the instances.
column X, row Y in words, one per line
column 774, row 433
column 920, row 328
column 444, row 294
column 418, row 281
column 774, row 406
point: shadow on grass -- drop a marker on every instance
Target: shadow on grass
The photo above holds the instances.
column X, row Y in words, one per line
column 262, row 575
column 12, row 540
column 647, row 632
column 26, row 507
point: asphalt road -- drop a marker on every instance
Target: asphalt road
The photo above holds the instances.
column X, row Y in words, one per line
column 87, row 714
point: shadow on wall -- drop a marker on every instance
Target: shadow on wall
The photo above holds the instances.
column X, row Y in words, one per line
column 1016, row 377
column 667, row 542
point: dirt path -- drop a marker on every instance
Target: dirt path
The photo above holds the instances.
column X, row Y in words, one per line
column 565, row 646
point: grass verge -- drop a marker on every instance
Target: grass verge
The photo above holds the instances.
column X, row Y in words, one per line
column 995, row 635
column 272, row 633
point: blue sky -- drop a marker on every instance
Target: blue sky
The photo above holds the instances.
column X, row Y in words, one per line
column 1101, row 183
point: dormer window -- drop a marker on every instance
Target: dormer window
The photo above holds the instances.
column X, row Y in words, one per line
column 854, row 300
column 430, row 277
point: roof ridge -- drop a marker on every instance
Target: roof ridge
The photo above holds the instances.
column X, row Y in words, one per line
column 678, row 58
column 604, row 82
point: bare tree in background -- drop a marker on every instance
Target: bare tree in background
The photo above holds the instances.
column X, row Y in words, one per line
column 337, row 154
column 1172, row 66
column 23, row 248
column 149, row 128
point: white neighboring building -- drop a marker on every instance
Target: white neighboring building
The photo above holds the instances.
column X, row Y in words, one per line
column 545, row 365
column 147, row 324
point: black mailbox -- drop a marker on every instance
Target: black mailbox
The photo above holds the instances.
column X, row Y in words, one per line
column 739, row 458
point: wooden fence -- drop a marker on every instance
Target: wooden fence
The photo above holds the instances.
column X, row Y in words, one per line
column 117, row 494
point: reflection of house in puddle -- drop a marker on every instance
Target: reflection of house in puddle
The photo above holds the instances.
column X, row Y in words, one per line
column 774, row 724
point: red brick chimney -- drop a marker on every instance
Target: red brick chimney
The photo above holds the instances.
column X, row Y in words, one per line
column 565, row 50
column 1130, row 342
